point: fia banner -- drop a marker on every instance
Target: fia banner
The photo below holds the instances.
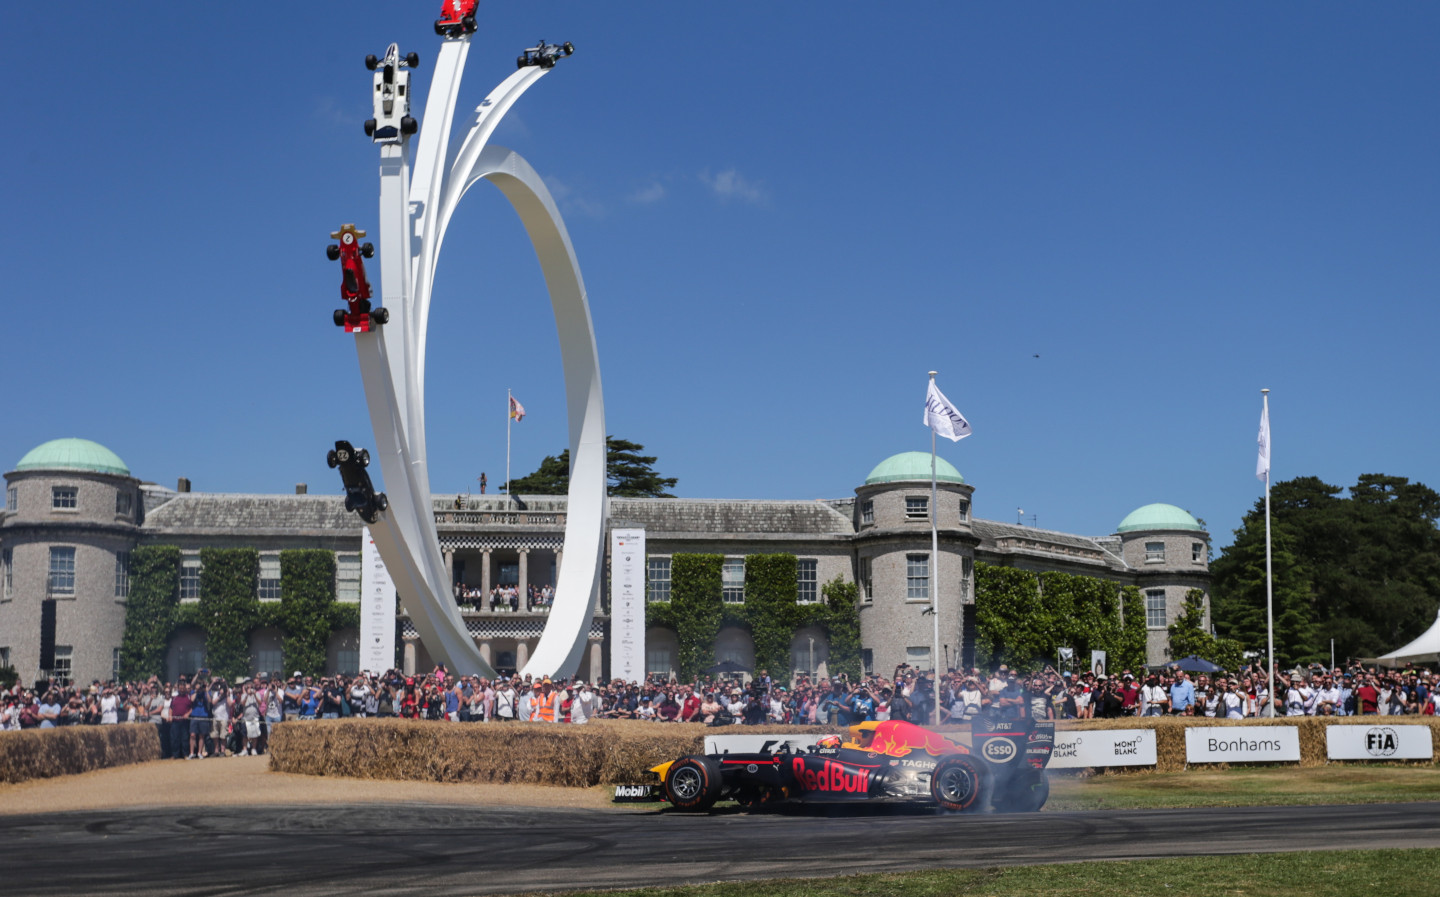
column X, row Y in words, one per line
column 1378, row 742
column 1103, row 747
column 1242, row 744
column 377, row 609
column 627, row 604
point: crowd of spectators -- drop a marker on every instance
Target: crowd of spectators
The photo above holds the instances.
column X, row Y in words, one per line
column 206, row 716
column 506, row 597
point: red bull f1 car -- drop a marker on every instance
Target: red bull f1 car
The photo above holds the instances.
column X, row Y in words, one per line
column 1002, row 768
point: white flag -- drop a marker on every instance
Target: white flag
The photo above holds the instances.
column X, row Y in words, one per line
column 943, row 417
column 1262, row 464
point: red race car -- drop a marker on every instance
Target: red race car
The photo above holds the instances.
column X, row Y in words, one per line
column 457, row 18
column 354, row 287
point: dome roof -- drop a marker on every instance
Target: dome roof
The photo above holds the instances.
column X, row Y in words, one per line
column 908, row 466
column 73, row 454
column 1158, row 516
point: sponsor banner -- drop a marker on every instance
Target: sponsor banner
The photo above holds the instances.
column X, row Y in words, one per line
column 1378, row 743
column 632, row 794
column 627, row 604
column 1243, row 744
column 1097, row 662
column 754, row 744
column 377, row 609
column 1108, row 747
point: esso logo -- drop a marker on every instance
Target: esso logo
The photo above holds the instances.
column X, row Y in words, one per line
column 999, row 750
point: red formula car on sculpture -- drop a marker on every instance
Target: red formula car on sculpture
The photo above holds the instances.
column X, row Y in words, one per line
column 354, row 287
column 457, row 18
column 1003, row 767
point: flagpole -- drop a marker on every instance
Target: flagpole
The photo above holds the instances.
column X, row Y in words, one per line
column 1269, row 579
column 509, row 419
column 934, row 574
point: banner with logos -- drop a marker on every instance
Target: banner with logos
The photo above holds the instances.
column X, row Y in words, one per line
column 1379, row 742
column 377, row 609
column 1242, row 744
column 627, row 604
column 1103, row 747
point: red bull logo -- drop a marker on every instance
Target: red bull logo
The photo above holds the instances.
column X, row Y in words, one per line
column 831, row 776
column 896, row 738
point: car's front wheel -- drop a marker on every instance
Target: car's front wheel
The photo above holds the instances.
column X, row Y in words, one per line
column 330, row 455
column 339, row 322
column 363, row 456
column 380, row 316
column 959, row 784
column 693, row 783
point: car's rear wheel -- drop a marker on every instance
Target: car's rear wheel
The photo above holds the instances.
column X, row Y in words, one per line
column 959, row 784
column 380, row 316
column 381, row 502
column 467, row 24
column 363, row 456
column 568, row 48
column 332, row 252
column 409, row 125
column 412, row 60
column 339, row 322
column 439, row 27
column 372, row 61
column 367, row 250
column 693, row 783
column 330, row 455
column 1027, row 794
column 369, row 127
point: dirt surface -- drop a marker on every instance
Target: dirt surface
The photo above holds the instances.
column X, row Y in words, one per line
column 248, row 781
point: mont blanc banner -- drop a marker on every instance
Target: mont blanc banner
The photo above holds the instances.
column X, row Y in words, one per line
column 1242, row 744
column 1103, row 747
column 377, row 609
column 627, row 604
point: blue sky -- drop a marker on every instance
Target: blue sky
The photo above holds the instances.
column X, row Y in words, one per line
column 786, row 213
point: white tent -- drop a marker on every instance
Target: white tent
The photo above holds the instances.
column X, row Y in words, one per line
column 1425, row 649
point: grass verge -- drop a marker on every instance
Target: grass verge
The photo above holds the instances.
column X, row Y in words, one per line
column 1341, row 873
column 1245, row 787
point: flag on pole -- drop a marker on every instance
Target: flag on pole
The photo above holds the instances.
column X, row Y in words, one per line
column 943, row 417
column 1262, row 464
column 517, row 411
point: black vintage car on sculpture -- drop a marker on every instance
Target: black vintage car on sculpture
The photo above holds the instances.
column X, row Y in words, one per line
column 1003, row 767
column 360, row 494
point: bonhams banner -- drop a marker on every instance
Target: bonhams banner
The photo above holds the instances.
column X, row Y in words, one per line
column 377, row 609
column 1378, row 742
column 627, row 604
column 1243, row 744
column 1103, row 747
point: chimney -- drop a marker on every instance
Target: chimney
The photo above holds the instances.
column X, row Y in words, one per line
column 183, row 485
column 301, row 488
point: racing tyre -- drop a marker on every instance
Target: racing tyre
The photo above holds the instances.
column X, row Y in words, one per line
column 439, row 27
column 412, row 60
column 339, row 322
column 1026, row 794
column 330, row 455
column 519, row 62
column 693, row 783
column 363, row 456
column 332, row 252
column 372, row 62
column 467, row 24
column 369, row 127
column 409, row 125
column 960, row 785
column 367, row 250
column 568, row 48
column 381, row 502
column 380, row 316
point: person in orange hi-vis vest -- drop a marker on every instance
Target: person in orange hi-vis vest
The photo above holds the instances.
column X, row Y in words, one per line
column 545, row 703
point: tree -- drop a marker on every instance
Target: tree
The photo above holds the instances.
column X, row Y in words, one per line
column 628, row 474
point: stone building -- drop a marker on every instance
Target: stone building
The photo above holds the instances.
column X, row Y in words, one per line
column 74, row 513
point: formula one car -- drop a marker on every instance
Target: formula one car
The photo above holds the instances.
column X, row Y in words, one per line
column 360, row 494
column 543, row 54
column 392, row 119
column 457, row 18
column 1003, row 766
column 354, row 286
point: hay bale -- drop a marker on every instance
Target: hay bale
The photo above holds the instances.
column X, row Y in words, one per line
column 46, row 753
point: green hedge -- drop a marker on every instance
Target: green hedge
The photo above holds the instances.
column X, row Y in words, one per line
column 150, row 610
column 1023, row 618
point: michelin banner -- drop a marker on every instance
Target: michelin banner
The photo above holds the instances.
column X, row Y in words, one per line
column 1242, row 744
column 627, row 604
column 1103, row 747
column 377, row 609
column 1378, row 742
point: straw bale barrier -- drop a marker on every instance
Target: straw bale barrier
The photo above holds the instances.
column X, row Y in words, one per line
column 45, row 753
column 601, row 752
column 1170, row 737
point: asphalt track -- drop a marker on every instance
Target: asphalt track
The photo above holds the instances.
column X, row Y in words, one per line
column 416, row 849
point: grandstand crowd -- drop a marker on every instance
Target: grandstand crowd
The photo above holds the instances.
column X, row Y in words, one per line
column 205, row 715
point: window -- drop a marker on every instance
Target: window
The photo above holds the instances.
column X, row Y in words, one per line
column 122, row 574
column 347, row 581
column 866, row 592
column 4, row 657
column 61, row 674
column 917, row 507
column 64, row 498
column 964, row 509
column 268, row 661
column 657, row 660
column 867, row 512
column 806, row 574
column 1198, row 554
column 269, row 588
column 917, row 577
column 657, row 584
column 919, row 658
column 1154, row 552
column 114, row 664
column 12, row 498
column 123, row 502
column 190, row 578
column 7, row 559
column 1155, row 609
column 867, row 661
column 732, row 581
column 62, row 571
column 347, row 661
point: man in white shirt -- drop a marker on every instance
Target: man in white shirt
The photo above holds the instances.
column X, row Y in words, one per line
column 582, row 703
column 505, row 702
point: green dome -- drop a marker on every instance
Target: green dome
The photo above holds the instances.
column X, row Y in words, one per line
column 73, row 454
column 1159, row 516
column 908, row 466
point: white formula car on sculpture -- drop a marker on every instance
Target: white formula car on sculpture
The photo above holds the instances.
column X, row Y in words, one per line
column 392, row 95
